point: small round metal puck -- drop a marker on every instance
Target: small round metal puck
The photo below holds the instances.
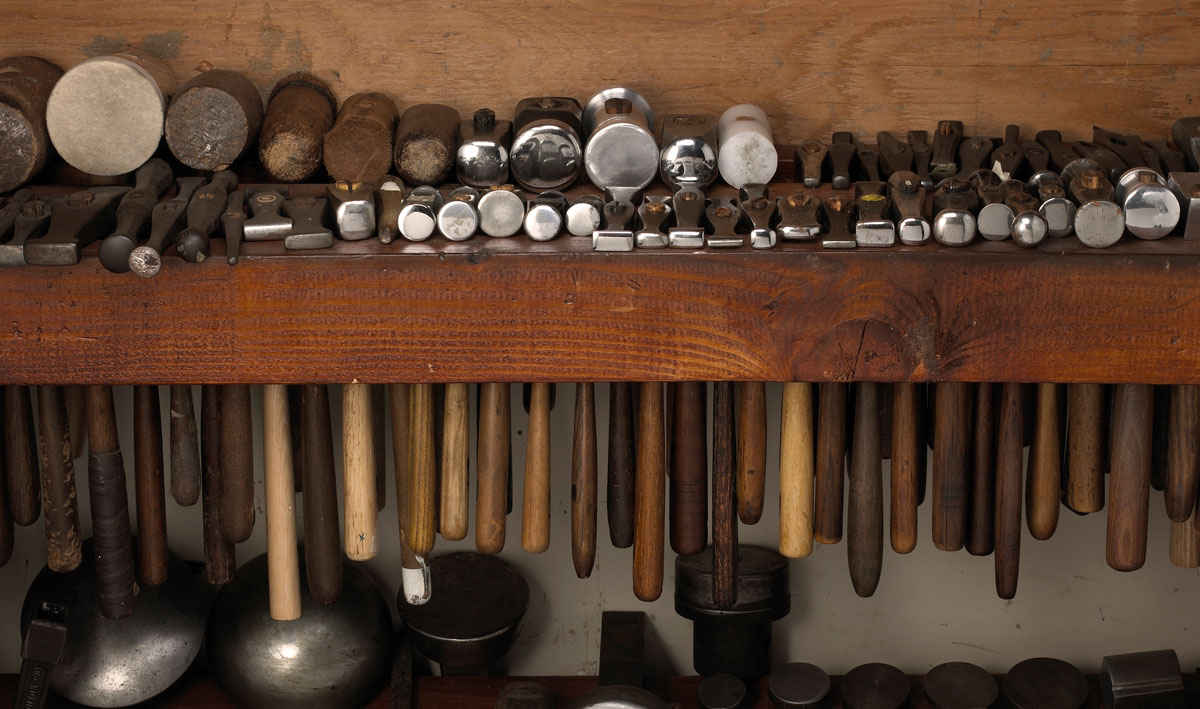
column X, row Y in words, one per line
column 1045, row 683
column 501, row 212
column 1059, row 213
column 457, row 220
column 797, row 685
column 995, row 221
column 1099, row 224
column 417, row 222
column 543, row 222
column 874, row 686
column 960, row 685
column 721, row 691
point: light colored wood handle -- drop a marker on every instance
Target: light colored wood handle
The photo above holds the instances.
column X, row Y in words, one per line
column 796, row 471
column 283, row 561
column 649, row 494
column 1183, row 452
column 1185, row 542
column 455, row 462
column 535, row 511
column 491, row 490
column 422, row 470
column 358, row 470
column 1044, row 486
column 751, row 450
column 906, row 459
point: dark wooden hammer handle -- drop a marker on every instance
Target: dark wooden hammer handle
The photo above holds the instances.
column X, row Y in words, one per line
column 751, row 449
column 906, row 457
column 322, row 545
column 864, row 529
column 63, row 549
column 724, row 509
column 689, row 469
column 1129, row 477
column 237, row 463
column 219, row 557
column 831, row 462
column 620, row 464
column 981, row 535
column 1009, row 489
column 1085, row 448
column 583, row 481
column 494, row 443
column 21, row 456
column 649, row 497
column 1183, row 452
column 185, row 447
column 148, row 483
column 951, row 421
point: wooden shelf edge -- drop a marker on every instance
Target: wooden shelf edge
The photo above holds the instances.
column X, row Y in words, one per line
column 515, row 310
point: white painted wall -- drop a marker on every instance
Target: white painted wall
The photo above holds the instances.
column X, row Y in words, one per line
column 930, row 607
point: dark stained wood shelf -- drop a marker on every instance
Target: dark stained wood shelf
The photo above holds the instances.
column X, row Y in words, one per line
column 515, row 310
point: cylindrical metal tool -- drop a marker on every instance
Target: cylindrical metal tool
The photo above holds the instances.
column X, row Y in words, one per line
column 960, row 685
column 359, row 146
column 547, row 151
column 621, row 151
column 213, row 120
column 25, row 85
column 105, row 115
column 1043, row 682
column 736, row 639
column 1151, row 210
column 875, row 686
column 746, row 152
column 798, row 685
column 426, row 138
column 298, row 115
column 1142, row 680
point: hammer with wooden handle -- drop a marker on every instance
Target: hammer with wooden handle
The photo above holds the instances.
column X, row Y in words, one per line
column 689, row 469
column 491, row 492
column 751, row 449
column 981, row 534
column 1129, row 477
column 148, row 482
column 620, row 464
column 21, row 455
column 63, row 546
column 1183, row 452
column 535, row 511
column 650, row 490
column 283, row 561
column 864, row 541
column 1044, row 487
column 583, row 481
column 1009, row 469
column 422, row 471
column 358, row 472
column 724, row 510
column 322, row 550
column 453, row 491
column 952, row 413
column 414, row 571
column 831, row 461
column 1085, row 448
column 908, row 462
column 237, row 463
column 219, row 557
column 796, row 471
column 110, row 506
column 185, row 447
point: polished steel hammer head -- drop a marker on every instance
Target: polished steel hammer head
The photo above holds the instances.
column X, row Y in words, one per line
column 482, row 156
column 547, row 151
column 353, row 207
column 620, row 149
column 458, row 218
column 688, row 150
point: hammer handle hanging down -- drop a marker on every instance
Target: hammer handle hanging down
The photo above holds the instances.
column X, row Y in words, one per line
column 535, row 511
column 456, row 444
column 649, row 494
column 1044, row 487
column 864, row 532
column 398, row 397
column 1009, row 491
column 76, row 423
column 422, row 470
column 148, row 484
column 620, row 464
column 906, row 458
column 6, row 526
column 1185, row 542
column 981, row 535
column 237, row 463
column 1129, row 477
column 583, row 481
column 219, row 559
column 796, row 471
column 63, row 550
column 831, row 462
column 724, row 508
column 1183, row 449
column 1085, row 448
column 379, row 409
column 110, row 506
column 951, row 421
column 491, row 493
column 185, row 447
column 358, row 470
column 283, row 562
column 21, row 456
column 689, row 469
column 751, row 450
column 322, row 548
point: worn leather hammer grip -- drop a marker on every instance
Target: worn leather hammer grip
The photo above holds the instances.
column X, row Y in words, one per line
column 322, row 548
column 63, row 546
column 237, row 463
column 148, row 480
column 620, row 465
column 110, row 506
column 21, row 456
column 689, row 469
column 185, row 447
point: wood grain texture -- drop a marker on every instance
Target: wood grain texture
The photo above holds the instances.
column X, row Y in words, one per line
column 21, row 456
column 422, row 471
column 322, row 546
column 649, row 499
column 63, row 542
column 491, row 491
column 831, row 462
column 1184, row 544
column 1183, row 452
column 1044, row 485
column 1009, row 490
column 951, row 450
column 751, row 449
column 1129, row 477
column 439, row 311
column 796, row 463
column 907, row 461
column 360, row 536
column 149, row 486
column 283, row 559
column 724, row 506
column 76, row 422
column 1086, row 432
column 583, row 481
column 185, row 447
column 982, row 516
column 398, row 398
column 864, row 526
column 689, row 468
column 237, row 463
column 219, row 556
column 456, row 447
column 1134, row 66
column 535, row 508
column 619, row 479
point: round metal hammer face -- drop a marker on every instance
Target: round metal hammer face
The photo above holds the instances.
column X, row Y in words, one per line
column 501, row 212
column 1151, row 210
column 1099, row 224
column 105, row 116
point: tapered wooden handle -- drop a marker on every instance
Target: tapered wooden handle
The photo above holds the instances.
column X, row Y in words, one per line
column 906, row 457
column 219, row 557
column 1044, row 488
column 1183, row 452
column 689, row 469
column 620, row 464
column 6, row 527
column 1009, row 492
column 237, row 463
column 63, row 550
column 110, row 506
column 583, row 481
column 361, row 539
column 1185, row 542
column 650, row 494
column 831, row 462
column 751, row 449
column 951, row 422
column 535, row 512
column 379, row 409
column 864, row 535
column 724, row 507
column 322, row 547
column 491, row 491
column 21, row 456
column 283, row 561
column 76, row 419
column 422, row 485
column 455, row 462
column 399, row 396
column 1085, row 448
column 796, row 471
column 149, row 486
column 185, row 447
column 1129, row 477
column 981, row 535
